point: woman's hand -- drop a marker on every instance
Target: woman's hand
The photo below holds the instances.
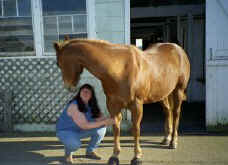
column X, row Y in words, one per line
column 109, row 121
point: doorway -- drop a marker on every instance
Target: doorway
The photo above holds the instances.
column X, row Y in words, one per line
column 181, row 22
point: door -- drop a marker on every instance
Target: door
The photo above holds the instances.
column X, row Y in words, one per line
column 216, row 62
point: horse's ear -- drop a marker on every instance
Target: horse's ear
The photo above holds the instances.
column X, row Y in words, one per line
column 56, row 46
column 66, row 37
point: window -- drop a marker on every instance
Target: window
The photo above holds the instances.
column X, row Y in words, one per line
column 16, row 32
column 139, row 43
column 62, row 18
column 29, row 27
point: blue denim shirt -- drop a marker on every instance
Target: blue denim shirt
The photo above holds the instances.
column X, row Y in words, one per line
column 65, row 122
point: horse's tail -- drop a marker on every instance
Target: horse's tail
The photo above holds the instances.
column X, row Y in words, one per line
column 185, row 70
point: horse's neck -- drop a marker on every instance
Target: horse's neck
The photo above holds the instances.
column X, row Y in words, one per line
column 97, row 61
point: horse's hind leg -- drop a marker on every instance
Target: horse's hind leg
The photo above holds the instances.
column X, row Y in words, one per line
column 179, row 96
column 167, row 105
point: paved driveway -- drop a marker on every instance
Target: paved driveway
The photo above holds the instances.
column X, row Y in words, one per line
column 193, row 149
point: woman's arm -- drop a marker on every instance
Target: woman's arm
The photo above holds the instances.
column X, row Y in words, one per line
column 80, row 119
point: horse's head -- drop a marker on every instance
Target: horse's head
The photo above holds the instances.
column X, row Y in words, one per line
column 69, row 66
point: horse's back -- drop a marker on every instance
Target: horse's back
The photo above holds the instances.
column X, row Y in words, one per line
column 167, row 54
column 164, row 54
column 163, row 49
column 168, row 51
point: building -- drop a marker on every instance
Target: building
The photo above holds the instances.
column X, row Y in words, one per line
column 32, row 83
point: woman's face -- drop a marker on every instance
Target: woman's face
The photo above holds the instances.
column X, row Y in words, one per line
column 85, row 95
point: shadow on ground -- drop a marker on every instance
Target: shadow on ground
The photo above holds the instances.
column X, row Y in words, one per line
column 18, row 149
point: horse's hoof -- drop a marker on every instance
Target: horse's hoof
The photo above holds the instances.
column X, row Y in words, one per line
column 136, row 161
column 113, row 161
column 165, row 142
column 173, row 146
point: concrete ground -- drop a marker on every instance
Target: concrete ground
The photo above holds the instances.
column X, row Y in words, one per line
column 41, row 149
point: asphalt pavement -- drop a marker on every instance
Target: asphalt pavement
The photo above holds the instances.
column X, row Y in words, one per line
column 44, row 149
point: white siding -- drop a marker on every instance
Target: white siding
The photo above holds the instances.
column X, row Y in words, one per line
column 110, row 20
column 216, row 62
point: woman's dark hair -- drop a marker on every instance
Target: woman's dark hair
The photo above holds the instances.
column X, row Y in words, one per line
column 92, row 102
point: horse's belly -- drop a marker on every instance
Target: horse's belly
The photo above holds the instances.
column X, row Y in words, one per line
column 151, row 98
column 156, row 91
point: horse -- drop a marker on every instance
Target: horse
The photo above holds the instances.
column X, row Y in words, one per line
column 130, row 78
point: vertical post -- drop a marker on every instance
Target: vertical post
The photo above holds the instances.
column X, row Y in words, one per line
column 189, row 49
column 190, row 26
column 127, row 39
column 37, row 19
column 179, row 31
column 6, row 97
column 127, row 19
column 164, row 33
column 2, row 14
column 167, row 30
column 91, row 23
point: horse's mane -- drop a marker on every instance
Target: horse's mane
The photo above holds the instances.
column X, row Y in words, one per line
column 66, row 43
column 93, row 41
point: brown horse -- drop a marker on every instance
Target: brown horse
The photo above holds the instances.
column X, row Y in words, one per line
column 131, row 77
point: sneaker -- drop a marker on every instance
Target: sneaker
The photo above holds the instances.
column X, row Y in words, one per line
column 69, row 160
column 93, row 155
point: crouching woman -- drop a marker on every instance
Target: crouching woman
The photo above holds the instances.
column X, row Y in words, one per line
column 82, row 118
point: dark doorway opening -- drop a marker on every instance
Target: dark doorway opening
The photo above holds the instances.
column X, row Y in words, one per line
column 192, row 118
column 181, row 22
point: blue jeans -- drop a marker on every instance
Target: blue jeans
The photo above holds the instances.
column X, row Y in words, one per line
column 72, row 140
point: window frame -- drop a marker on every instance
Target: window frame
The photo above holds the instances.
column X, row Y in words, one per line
column 90, row 12
column 38, row 31
column 16, row 54
column 72, row 27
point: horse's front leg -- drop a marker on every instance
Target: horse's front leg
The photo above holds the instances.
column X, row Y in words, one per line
column 114, row 159
column 137, row 114
column 116, row 130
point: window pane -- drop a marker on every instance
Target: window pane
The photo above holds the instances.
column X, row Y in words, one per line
column 24, row 7
column 63, row 18
column 82, row 35
column 80, row 22
column 61, row 7
column 50, row 25
column 65, row 24
column 50, row 32
column 16, row 35
column 9, row 8
column 49, row 42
